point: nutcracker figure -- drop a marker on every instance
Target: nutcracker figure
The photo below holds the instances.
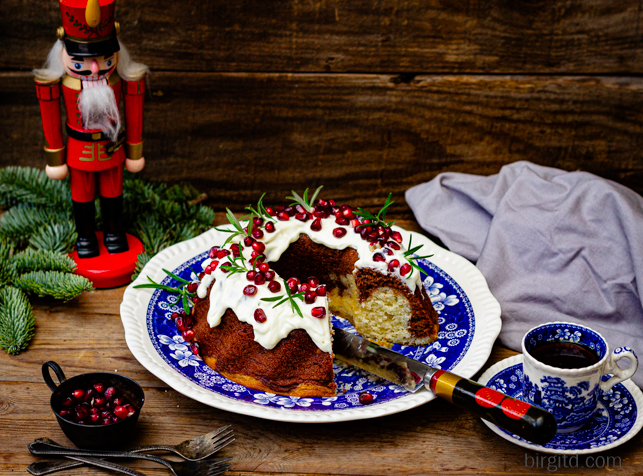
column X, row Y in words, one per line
column 92, row 71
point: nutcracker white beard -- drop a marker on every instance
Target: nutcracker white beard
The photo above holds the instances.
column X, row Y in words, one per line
column 99, row 110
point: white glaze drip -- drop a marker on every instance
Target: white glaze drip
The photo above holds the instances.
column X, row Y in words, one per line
column 227, row 292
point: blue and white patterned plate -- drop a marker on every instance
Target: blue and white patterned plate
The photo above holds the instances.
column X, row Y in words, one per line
column 469, row 324
column 618, row 418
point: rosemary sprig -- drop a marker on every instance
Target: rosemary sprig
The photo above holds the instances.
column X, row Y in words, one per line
column 260, row 211
column 238, row 264
column 411, row 259
column 289, row 297
column 303, row 201
column 378, row 219
column 238, row 229
column 186, row 296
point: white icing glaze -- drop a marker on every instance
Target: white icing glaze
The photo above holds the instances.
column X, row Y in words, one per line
column 227, row 291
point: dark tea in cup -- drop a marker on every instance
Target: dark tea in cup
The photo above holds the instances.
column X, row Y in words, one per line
column 565, row 355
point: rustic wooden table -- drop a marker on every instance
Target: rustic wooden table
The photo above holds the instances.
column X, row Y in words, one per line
column 86, row 335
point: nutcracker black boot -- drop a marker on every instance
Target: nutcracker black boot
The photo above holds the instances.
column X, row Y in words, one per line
column 85, row 216
column 114, row 235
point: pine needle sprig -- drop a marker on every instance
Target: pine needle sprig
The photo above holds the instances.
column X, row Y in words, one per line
column 378, row 219
column 60, row 237
column 409, row 254
column 42, row 260
column 289, row 297
column 58, row 285
column 24, row 219
column 30, row 185
column 17, row 321
column 304, row 201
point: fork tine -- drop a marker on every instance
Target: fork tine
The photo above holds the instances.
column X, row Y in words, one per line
column 223, row 444
column 220, row 436
column 210, row 470
column 218, row 431
column 219, row 471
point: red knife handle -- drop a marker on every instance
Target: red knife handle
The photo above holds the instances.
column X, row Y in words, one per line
column 527, row 421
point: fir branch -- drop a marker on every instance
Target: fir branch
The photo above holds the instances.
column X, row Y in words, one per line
column 60, row 237
column 30, row 185
column 303, row 201
column 16, row 320
column 378, row 219
column 42, row 260
column 53, row 283
column 153, row 234
column 25, row 219
column 7, row 271
column 142, row 260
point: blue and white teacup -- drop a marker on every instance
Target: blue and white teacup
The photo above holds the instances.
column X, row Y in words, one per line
column 570, row 394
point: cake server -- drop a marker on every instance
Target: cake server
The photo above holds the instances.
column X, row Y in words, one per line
column 527, row 421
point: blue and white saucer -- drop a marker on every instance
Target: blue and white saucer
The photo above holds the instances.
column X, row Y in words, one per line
column 618, row 418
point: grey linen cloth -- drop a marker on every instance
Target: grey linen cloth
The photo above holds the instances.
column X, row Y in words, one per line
column 553, row 246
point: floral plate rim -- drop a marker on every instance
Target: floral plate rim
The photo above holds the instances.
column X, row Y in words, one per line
column 134, row 308
column 634, row 390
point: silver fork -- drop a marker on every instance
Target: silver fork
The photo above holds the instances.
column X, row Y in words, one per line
column 184, row 468
column 194, row 449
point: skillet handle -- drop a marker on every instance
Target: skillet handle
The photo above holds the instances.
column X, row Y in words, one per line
column 47, row 375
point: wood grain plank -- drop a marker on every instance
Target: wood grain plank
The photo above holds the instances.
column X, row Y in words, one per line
column 384, row 36
column 236, row 136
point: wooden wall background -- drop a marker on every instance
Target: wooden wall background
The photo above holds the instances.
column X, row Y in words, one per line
column 363, row 96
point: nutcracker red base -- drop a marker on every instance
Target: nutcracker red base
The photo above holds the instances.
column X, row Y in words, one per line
column 109, row 270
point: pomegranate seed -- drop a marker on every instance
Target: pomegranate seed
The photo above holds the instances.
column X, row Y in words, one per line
column 201, row 275
column 67, row 402
column 393, row 264
column 279, row 208
column 250, row 290
column 387, row 251
column 174, row 315
column 320, row 214
column 257, row 233
column 270, row 274
column 180, row 324
column 81, row 422
column 331, row 203
column 106, row 421
column 304, row 288
column 222, row 254
column 393, row 245
column 339, row 232
column 347, row 212
column 310, row 297
column 248, row 241
column 254, row 254
column 121, row 412
column 81, row 413
column 293, row 284
column 89, row 394
column 106, row 414
column 302, row 216
column 373, row 234
column 65, row 414
column 250, row 275
column 290, row 211
column 405, row 269
column 342, row 221
column 94, row 411
column 321, row 290
column 188, row 335
column 271, row 211
column 118, row 401
column 263, row 267
column 94, row 419
column 318, row 312
column 283, row 216
column 355, row 222
column 299, row 209
column 270, row 227
column 194, row 347
column 192, row 287
column 213, row 252
column 110, row 392
column 100, row 402
column 260, row 316
column 337, row 213
column 365, row 398
column 397, row 236
column 378, row 257
column 78, row 394
column 227, row 263
column 322, row 203
column 316, row 225
column 274, row 286
column 257, row 221
column 313, row 281
column 258, row 246
column 260, row 279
